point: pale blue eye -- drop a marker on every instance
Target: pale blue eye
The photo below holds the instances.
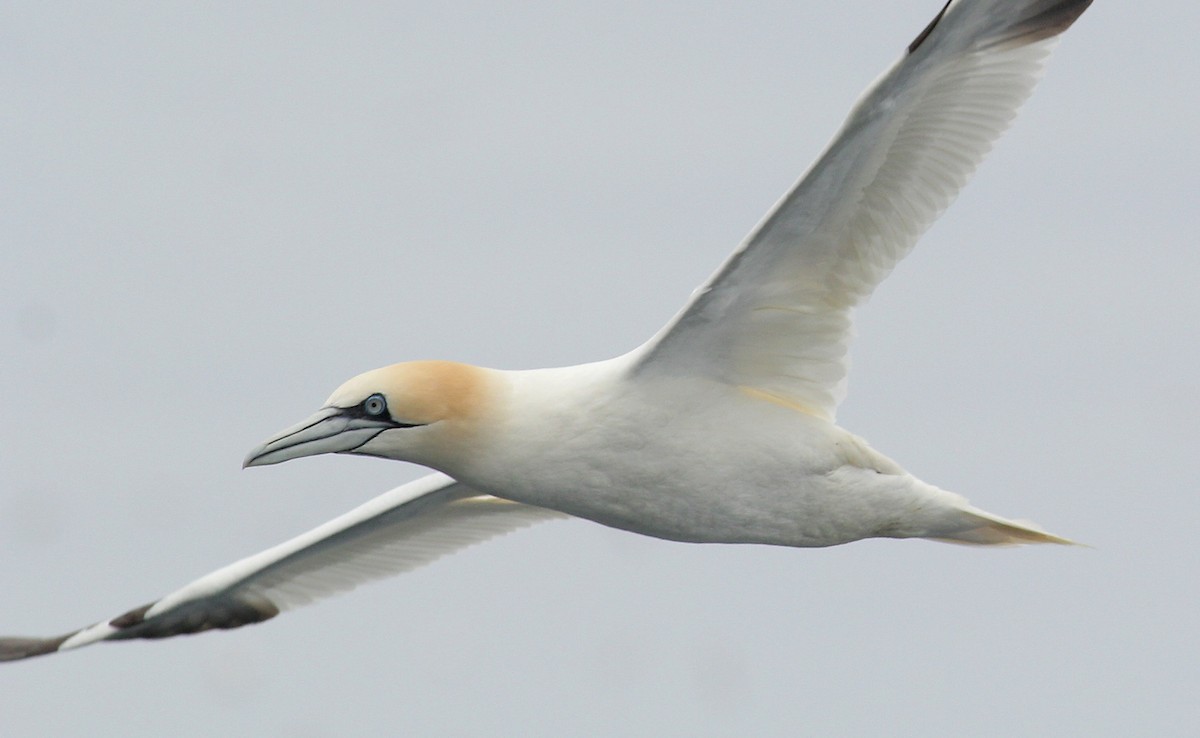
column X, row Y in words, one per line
column 375, row 405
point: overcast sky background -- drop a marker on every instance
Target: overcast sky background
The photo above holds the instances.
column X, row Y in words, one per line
column 214, row 215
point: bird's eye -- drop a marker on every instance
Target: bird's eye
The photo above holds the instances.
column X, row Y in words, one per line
column 375, row 405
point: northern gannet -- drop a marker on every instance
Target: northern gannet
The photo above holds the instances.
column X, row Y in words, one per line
column 721, row 427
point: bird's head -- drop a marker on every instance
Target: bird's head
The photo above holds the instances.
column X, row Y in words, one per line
column 416, row 411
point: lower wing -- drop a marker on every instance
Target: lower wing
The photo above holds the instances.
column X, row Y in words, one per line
column 400, row 530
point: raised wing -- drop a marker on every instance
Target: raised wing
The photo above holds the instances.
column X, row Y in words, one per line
column 398, row 531
column 775, row 318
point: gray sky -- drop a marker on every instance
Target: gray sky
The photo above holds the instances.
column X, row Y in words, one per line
column 211, row 217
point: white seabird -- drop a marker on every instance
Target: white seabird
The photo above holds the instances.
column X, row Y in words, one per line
column 721, row 427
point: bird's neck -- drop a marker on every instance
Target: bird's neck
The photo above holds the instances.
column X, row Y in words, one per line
column 539, row 415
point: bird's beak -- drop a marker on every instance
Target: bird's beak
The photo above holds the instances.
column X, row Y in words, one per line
column 330, row 430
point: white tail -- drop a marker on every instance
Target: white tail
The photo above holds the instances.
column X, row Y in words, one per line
column 985, row 529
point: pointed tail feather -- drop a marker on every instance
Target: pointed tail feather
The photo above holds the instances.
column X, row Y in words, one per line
column 984, row 529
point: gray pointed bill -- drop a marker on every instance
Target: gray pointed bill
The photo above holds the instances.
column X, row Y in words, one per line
column 329, row 430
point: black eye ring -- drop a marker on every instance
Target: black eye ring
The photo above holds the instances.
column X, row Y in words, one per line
column 375, row 406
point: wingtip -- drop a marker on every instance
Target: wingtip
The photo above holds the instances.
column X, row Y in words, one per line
column 924, row 34
column 1042, row 20
column 1048, row 22
column 17, row 649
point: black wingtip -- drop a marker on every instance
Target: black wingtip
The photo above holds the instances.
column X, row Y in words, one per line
column 221, row 614
column 920, row 39
column 1051, row 20
column 15, row 649
column 1040, row 20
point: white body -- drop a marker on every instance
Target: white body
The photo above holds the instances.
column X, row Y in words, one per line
column 693, row 460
